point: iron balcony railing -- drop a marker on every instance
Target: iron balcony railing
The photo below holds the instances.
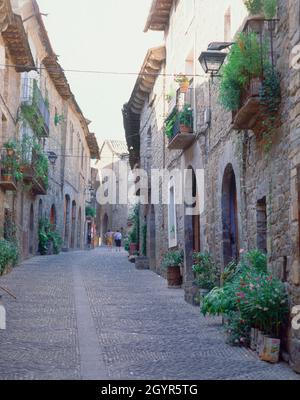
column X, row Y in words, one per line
column 32, row 96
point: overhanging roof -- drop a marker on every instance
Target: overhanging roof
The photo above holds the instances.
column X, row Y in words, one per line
column 133, row 109
column 57, row 76
column 147, row 77
column 93, row 146
column 159, row 15
column 15, row 38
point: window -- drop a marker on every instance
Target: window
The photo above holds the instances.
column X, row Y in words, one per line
column 261, row 217
column 172, row 228
column 227, row 25
column 71, row 137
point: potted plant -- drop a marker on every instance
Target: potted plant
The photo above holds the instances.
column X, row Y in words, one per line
column 172, row 262
column 206, row 271
column 262, row 8
column 10, row 148
column 183, row 82
column 186, row 119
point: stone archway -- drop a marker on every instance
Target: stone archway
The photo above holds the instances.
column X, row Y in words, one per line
column 67, row 221
column 229, row 216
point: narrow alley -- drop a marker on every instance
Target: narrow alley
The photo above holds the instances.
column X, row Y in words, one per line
column 92, row 315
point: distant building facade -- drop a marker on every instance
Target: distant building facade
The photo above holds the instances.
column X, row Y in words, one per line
column 113, row 157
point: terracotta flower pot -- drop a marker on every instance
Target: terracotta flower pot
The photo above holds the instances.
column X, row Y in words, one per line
column 174, row 277
column 184, row 129
column 184, row 87
column 10, row 152
column 132, row 248
column 7, row 177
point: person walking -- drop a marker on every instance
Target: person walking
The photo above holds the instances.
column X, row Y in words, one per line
column 109, row 239
column 118, row 241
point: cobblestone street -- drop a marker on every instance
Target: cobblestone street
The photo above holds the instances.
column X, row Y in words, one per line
column 91, row 315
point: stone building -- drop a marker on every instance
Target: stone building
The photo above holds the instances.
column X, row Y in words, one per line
column 113, row 158
column 250, row 199
column 54, row 121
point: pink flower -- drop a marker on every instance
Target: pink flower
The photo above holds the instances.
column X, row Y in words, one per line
column 241, row 295
column 242, row 251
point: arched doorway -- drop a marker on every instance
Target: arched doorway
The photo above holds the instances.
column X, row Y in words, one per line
column 229, row 216
column 73, row 229
column 31, row 230
column 79, row 226
column 191, row 231
column 40, row 213
column 53, row 215
column 152, row 234
column 67, row 221
column 104, row 227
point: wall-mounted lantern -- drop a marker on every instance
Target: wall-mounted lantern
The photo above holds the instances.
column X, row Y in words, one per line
column 213, row 59
column 52, row 157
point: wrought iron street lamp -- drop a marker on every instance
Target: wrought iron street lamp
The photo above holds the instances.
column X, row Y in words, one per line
column 52, row 157
column 213, row 59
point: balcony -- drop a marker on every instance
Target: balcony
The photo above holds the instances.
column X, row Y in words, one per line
column 247, row 116
column 35, row 108
column 7, row 181
column 38, row 187
column 181, row 135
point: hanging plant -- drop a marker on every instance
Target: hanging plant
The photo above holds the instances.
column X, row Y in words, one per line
column 267, row 7
column 58, row 119
column 29, row 114
column 270, row 98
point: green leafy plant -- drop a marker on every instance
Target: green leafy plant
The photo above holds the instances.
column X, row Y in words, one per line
column 58, row 119
column 250, row 297
column 10, row 145
column 270, row 98
column 40, row 164
column 270, row 8
column 9, row 254
column 170, row 123
column 186, row 116
column 90, row 212
column 267, row 7
column 134, row 218
column 48, row 234
column 172, row 259
column 181, row 78
column 244, row 62
column 254, row 6
column 206, row 270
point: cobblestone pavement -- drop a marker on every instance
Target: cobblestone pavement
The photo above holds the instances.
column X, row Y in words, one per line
column 91, row 315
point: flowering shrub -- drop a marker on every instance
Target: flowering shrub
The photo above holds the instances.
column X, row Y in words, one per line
column 250, row 297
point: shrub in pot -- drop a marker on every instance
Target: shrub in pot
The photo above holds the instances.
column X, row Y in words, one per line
column 183, row 82
column 206, row 271
column 171, row 263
